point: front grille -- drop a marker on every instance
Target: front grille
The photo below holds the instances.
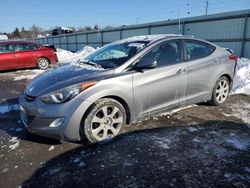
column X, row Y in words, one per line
column 26, row 118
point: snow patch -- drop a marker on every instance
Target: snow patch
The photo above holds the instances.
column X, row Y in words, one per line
column 241, row 110
column 23, row 77
column 76, row 160
column 26, row 74
column 242, row 77
column 195, row 140
column 4, row 170
column 65, row 56
column 239, row 144
column 247, row 169
column 54, row 171
column 15, row 143
column 81, row 164
column 148, row 38
column 176, row 110
column 192, row 129
column 163, row 142
column 51, row 148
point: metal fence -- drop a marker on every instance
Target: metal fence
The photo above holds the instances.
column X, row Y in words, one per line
column 230, row 29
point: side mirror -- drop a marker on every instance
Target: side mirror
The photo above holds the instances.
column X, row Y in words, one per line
column 146, row 64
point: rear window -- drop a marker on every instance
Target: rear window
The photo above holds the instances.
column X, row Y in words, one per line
column 197, row 49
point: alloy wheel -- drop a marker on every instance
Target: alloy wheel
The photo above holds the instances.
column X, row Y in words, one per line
column 222, row 91
column 107, row 122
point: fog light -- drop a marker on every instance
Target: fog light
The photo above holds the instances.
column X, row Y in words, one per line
column 57, row 123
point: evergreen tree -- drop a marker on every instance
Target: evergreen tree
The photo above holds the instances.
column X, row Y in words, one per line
column 16, row 33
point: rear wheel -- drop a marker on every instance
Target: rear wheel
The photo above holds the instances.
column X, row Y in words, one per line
column 220, row 91
column 105, row 120
column 42, row 63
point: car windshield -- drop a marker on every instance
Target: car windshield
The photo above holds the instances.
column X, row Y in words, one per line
column 115, row 54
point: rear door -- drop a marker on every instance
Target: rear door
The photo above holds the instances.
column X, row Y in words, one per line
column 7, row 56
column 164, row 86
column 201, row 68
column 26, row 55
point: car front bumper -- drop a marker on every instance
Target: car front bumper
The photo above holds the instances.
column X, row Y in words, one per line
column 57, row 121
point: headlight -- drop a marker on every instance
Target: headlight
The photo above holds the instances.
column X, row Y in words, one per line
column 65, row 94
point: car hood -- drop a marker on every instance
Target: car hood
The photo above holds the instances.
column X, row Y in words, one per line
column 64, row 76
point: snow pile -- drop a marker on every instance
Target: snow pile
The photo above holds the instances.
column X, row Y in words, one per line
column 65, row 56
column 242, row 77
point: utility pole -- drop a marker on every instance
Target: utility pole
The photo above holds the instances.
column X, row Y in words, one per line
column 206, row 7
column 179, row 24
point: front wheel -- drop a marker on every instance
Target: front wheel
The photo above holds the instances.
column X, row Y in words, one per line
column 220, row 91
column 42, row 63
column 105, row 120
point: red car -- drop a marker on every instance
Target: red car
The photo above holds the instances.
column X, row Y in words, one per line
column 19, row 54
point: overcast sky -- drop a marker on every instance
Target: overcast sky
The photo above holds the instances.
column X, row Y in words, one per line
column 76, row 13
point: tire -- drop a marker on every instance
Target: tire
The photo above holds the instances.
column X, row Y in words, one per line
column 42, row 63
column 105, row 120
column 220, row 91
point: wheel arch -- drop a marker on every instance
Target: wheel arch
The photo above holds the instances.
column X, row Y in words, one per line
column 90, row 107
column 124, row 104
column 229, row 79
column 45, row 57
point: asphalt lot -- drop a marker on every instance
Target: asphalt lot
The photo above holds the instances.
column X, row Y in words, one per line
column 200, row 146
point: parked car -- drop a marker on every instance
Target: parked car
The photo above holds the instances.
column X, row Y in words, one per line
column 19, row 54
column 123, row 82
column 61, row 31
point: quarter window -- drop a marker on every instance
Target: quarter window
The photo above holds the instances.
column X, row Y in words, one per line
column 197, row 49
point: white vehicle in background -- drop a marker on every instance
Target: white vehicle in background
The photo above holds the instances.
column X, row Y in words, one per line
column 3, row 37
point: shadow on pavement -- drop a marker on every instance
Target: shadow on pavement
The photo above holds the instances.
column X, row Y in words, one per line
column 213, row 154
column 12, row 125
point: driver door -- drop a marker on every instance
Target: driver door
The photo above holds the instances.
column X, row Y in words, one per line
column 163, row 86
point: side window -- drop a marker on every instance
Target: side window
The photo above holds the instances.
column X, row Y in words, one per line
column 7, row 48
column 167, row 53
column 24, row 47
column 197, row 49
column 3, row 48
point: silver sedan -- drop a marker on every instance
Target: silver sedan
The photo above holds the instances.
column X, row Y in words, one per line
column 124, row 82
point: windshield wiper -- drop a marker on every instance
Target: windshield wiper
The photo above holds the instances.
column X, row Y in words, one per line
column 90, row 63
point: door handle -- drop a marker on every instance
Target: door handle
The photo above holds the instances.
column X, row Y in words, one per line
column 181, row 71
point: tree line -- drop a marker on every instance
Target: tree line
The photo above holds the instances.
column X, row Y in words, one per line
column 36, row 31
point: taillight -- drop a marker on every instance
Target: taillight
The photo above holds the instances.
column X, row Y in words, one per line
column 233, row 57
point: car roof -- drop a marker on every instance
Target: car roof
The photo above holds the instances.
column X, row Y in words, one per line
column 148, row 38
